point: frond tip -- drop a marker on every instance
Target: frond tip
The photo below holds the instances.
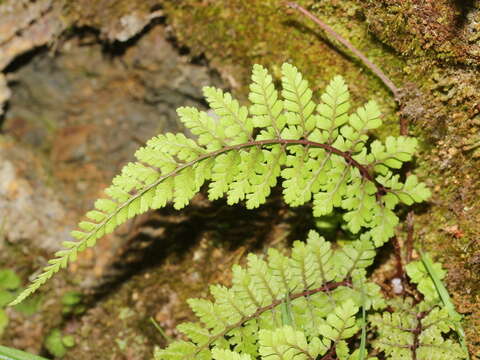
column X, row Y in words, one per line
column 319, row 150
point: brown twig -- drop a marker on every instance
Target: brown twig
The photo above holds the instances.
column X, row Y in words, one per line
column 400, row 273
column 374, row 68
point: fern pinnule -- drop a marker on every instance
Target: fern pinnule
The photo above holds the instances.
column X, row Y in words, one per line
column 287, row 343
column 298, row 104
column 319, row 150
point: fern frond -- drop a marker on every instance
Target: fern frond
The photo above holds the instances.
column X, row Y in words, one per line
column 247, row 317
column 266, row 107
column 222, row 354
column 341, row 323
column 333, row 111
column 323, row 290
column 298, row 102
column 232, row 118
column 343, row 353
column 319, row 151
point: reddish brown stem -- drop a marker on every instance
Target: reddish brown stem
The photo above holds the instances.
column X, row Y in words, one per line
column 364, row 171
column 409, row 242
column 416, row 334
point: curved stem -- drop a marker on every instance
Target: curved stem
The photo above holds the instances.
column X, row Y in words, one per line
column 345, row 154
column 364, row 172
column 89, row 238
column 374, row 68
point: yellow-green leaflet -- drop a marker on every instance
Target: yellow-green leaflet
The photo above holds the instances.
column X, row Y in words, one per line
column 7, row 353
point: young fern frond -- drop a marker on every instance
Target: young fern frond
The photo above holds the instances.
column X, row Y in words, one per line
column 320, row 151
column 247, row 319
column 420, row 331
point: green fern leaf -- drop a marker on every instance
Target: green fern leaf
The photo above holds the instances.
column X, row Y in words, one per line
column 416, row 332
column 419, row 275
column 224, row 171
column 394, row 153
column 209, row 314
column 207, row 128
column 321, row 152
column 325, row 262
column 244, row 339
column 311, row 283
column 322, row 289
column 180, row 350
column 334, row 108
column 360, row 202
column 195, row 332
column 266, row 178
column 298, row 102
column 233, row 118
column 366, row 118
column 383, row 225
column 266, row 108
column 355, row 255
column 343, row 353
column 251, row 163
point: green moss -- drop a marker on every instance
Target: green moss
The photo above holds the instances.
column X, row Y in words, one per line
column 234, row 35
column 439, row 30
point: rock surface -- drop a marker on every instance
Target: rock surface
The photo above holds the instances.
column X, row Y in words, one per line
column 74, row 118
column 25, row 25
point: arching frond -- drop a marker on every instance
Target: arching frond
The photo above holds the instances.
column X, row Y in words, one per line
column 319, row 151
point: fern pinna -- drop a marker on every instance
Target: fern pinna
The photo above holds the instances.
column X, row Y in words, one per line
column 321, row 151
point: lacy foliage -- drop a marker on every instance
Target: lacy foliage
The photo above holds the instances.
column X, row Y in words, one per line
column 321, row 152
column 323, row 290
column 322, row 287
column 418, row 331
